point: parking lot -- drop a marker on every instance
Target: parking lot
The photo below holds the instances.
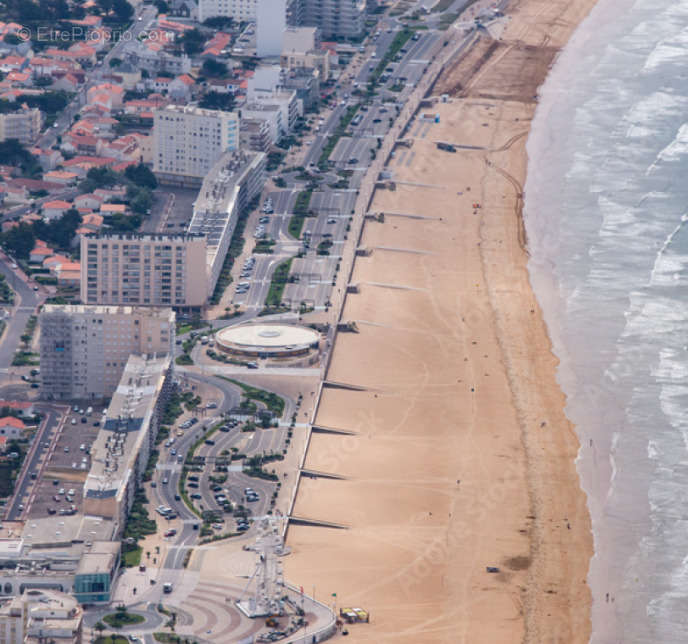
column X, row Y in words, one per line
column 67, row 465
column 214, row 494
column 171, row 211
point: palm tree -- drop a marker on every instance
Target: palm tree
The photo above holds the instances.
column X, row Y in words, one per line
column 100, row 627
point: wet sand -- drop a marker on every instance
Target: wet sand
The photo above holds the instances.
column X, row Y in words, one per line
column 463, row 457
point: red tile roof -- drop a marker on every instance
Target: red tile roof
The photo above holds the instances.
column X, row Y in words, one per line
column 11, row 421
column 92, row 161
column 15, row 404
column 58, row 203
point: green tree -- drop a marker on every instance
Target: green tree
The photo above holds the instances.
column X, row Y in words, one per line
column 51, row 102
column 115, row 62
column 19, row 240
column 219, row 22
column 192, row 41
column 213, row 68
column 123, row 10
column 59, row 232
column 142, row 202
column 15, row 154
column 99, row 626
column 105, row 5
column 218, row 101
column 141, row 175
column 100, row 178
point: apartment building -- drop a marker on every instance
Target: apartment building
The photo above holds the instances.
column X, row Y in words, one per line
column 12, row 620
column 25, row 125
column 240, row 10
column 226, row 192
column 306, row 83
column 188, row 140
column 143, row 270
column 41, row 616
column 270, row 115
column 121, row 451
column 256, row 135
column 271, row 23
column 247, row 10
column 265, row 88
column 335, row 18
column 136, row 55
column 84, row 349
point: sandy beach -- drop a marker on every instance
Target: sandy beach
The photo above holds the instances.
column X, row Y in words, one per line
column 462, row 457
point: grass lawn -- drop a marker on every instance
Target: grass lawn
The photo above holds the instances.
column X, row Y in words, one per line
column 296, row 226
column 279, row 281
column 272, row 401
column 442, row 5
column 167, row 638
column 117, row 620
column 132, row 558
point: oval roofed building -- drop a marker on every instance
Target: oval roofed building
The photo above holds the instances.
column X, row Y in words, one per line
column 267, row 340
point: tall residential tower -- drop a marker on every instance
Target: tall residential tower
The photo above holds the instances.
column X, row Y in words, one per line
column 188, row 140
column 84, row 349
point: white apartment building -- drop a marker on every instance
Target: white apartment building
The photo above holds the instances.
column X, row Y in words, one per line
column 143, row 269
column 271, row 23
column 25, row 125
column 188, row 140
column 271, row 115
column 335, row 18
column 255, row 134
column 240, row 10
column 121, row 450
column 300, row 39
column 84, row 349
column 12, row 620
column 41, row 616
column 266, row 88
column 234, row 182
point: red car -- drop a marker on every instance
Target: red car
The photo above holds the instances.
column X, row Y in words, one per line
column 170, row 533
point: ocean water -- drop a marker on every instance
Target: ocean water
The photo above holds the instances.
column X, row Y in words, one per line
column 606, row 213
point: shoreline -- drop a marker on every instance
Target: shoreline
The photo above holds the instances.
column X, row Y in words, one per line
column 495, row 459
